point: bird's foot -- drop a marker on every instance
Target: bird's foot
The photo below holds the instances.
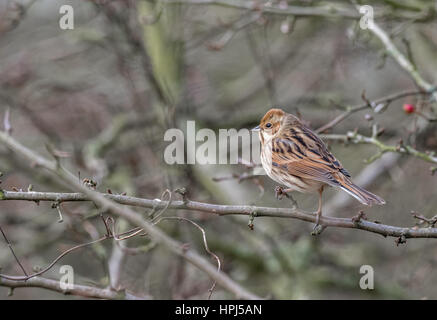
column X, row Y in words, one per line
column 318, row 228
column 279, row 193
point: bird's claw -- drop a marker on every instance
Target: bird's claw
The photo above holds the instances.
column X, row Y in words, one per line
column 318, row 228
column 279, row 193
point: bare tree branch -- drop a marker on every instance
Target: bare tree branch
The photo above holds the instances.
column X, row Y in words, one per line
column 370, row 105
column 402, row 60
column 354, row 137
column 222, row 210
column 331, row 10
column 78, row 290
column 156, row 234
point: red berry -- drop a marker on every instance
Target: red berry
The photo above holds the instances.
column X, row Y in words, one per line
column 409, row 108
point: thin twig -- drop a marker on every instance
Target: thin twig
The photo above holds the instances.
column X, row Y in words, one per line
column 44, row 270
column 12, row 250
column 366, row 105
column 205, row 244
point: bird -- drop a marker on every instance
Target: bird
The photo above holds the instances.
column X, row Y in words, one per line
column 294, row 156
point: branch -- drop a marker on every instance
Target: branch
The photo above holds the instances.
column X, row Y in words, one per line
column 205, row 244
column 405, row 64
column 223, row 210
column 327, row 11
column 53, row 285
column 370, row 105
column 12, row 251
column 54, row 168
column 383, row 148
column 402, row 60
column 330, row 11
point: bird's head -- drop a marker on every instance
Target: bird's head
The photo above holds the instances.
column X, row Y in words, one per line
column 270, row 123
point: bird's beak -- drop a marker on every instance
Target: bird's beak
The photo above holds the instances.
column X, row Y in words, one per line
column 257, row 128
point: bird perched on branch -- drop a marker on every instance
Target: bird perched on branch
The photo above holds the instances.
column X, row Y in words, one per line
column 294, row 156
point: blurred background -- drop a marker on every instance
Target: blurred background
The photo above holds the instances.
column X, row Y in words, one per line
column 105, row 93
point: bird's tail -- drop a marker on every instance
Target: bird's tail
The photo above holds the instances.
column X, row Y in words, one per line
column 363, row 196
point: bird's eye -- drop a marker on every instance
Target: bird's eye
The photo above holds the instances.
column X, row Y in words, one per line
column 268, row 125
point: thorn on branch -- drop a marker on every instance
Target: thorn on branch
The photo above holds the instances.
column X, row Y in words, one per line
column 369, row 103
column 183, row 192
column 57, row 205
column 402, row 239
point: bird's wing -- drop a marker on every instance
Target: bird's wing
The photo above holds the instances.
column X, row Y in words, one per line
column 300, row 152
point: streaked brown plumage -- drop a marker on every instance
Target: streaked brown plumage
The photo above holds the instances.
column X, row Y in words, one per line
column 296, row 157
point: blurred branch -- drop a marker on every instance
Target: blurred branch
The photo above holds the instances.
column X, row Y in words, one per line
column 231, row 30
column 20, row 13
column 370, row 104
column 53, row 285
column 332, row 10
column 55, row 168
column 263, row 62
column 354, row 137
column 115, row 265
column 402, row 60
column 223, row 210
column 324, row 11
column 137, row 44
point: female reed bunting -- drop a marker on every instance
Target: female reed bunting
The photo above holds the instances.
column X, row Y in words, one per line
column 294, row 156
